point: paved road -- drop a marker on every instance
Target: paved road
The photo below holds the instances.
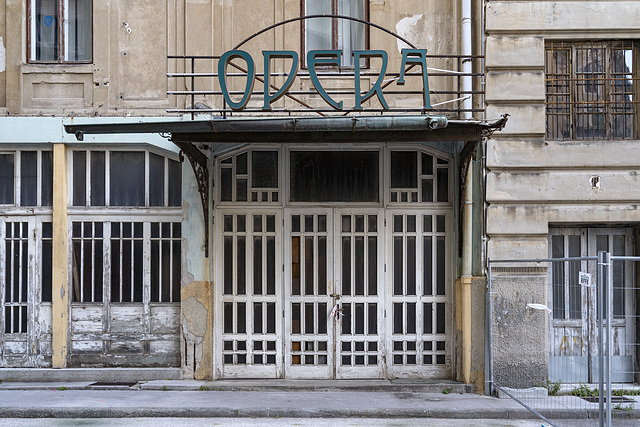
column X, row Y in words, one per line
column 281, row 422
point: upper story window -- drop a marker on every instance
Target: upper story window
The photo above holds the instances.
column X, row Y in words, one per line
column 331, row 33
column 590, row 91
column 60, row 30
column 125, row 178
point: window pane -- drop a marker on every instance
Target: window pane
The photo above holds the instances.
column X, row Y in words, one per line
column 28, row 178
column 351, row 33
column 79, row 178
column 78, row 37
column 47, row 179
column 327, row 176
column 317, row 30
column 7, row 177
column 156, row 180
column 404, row 173
column 97, row 178
column 175, row 183
column 127, row 178
column 264, row 169
column 46, row 30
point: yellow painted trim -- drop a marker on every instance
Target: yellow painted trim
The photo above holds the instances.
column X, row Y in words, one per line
column 60, row 297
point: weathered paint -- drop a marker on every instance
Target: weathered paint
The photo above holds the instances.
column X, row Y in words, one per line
column 3, row 56
column 197, row 332
column 60, row 294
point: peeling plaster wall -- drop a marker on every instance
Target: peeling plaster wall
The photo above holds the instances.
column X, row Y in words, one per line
column 197, row 297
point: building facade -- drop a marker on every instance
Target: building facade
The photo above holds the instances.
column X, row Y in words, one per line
column 562, row 177
column 310, row 251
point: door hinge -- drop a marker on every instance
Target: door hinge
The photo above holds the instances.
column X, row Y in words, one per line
column 385, row 268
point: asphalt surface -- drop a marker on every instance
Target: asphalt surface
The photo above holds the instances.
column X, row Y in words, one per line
column 255, row 403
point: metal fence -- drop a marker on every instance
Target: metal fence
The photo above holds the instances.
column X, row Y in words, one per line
column 562, row 338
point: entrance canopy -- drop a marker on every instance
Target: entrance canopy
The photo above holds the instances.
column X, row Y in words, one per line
column 304, row 129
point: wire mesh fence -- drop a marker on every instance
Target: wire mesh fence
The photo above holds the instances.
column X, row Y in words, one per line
column 562, row 335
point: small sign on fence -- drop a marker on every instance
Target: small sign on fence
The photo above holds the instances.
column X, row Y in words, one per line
column 585, row 279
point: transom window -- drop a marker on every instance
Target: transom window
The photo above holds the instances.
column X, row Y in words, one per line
column 590, row 90
column 125, row 178
column 60, row 30
column 26, row 178
column 419, row 177
column 331, row 33
column 250, row 176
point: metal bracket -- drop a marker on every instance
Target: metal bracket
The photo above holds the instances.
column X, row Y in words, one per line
column 199, row 164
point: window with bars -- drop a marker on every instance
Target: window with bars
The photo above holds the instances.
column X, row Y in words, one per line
column 590, row 90
column 119, row 248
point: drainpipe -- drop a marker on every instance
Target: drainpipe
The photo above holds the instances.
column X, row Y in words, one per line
column 467, row 84
column 465, row 280
column 467, row 224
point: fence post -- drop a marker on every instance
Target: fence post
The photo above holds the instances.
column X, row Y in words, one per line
column 600, row 308
column 488, row 342
column 609, row 318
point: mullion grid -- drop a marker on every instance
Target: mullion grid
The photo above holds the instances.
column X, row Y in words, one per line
column 236, row 335
column 262, row 341
column 419, row 335
column 359, row 345
column 16, row 265
column 309, row 322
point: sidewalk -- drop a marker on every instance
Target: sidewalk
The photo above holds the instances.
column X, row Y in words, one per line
column 268, row 399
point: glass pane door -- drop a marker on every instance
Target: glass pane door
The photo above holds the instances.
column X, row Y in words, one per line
column 358, row 264
column 310, row 298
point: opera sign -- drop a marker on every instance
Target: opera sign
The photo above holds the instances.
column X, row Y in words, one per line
column 325, row 58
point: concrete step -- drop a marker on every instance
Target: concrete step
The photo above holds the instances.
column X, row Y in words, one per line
column 369, row 385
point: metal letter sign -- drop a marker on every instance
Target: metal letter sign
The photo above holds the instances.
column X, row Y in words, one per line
column 268, row 54
column 377, row 88
column 319, row 57
column 222, row 77
column 325, row 57
column 419, row 57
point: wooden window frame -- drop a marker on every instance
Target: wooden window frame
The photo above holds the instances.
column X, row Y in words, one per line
column 17, row 180
column 61, row 36
column 334, row 32
column 107, row 196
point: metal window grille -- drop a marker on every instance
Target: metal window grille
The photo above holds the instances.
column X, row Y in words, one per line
column 165, row 261
column 87, row 253
column 126, row 261
column 590, row 90
column 16, row 277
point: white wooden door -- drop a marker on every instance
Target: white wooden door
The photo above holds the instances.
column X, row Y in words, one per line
column 358, row 266
column 419, row 269
column 310, row 294
column 248, row 303
column 25, row 269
